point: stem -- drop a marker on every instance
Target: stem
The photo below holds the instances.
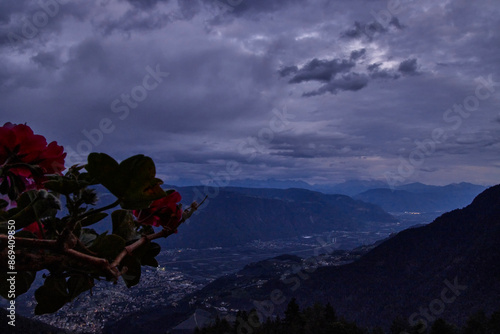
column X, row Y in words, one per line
column 6, row 161
column 142, row 241
column 41, row 261
column 32, row 243
column 23, row 211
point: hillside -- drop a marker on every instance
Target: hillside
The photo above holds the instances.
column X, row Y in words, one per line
column 450, row 266
column 418, row 197
column 240, row 215
column 410, row 271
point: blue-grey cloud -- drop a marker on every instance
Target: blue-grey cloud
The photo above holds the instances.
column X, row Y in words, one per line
column 408, row 67
column 363, row 91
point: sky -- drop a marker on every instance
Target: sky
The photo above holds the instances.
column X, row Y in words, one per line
column 224, row 90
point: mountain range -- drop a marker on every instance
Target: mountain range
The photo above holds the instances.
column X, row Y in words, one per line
column 240, row 215
column 417, row 197
column 446, row 269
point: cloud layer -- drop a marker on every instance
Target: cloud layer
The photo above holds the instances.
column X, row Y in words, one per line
column 314, row 90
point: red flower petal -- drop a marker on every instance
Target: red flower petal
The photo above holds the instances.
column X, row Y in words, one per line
column 35, row 229
column 161, row 212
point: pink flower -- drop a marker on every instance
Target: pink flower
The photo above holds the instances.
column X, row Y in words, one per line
column 162, row 212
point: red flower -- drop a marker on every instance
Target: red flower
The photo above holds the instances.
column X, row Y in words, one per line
column 162, row 212
column 35, row 229
column 19, row 145
column 52, row 159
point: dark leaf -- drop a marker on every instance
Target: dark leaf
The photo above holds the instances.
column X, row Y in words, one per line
column 148, row 258
column 78, row 284
column 133, row 274
column 132, row 181
column 33, row 205
column 123, row 224
column 108, row 246
column 52, row 295
column 88, row 236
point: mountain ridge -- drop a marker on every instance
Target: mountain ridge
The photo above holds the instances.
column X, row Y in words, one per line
column 447, row 269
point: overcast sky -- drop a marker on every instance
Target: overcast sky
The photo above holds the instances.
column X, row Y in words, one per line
column 313, row 90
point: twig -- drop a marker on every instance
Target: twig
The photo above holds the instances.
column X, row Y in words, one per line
column 32, row 243
column 142, row 241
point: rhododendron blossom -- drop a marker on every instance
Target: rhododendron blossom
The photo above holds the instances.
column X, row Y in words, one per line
column 162, row 212
column 35, row 229
column 26, row 152
column 75, row 255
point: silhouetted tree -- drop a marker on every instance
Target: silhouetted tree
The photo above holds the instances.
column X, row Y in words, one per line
column 442, row 327
column 476, row 324
column 377, row 330
column 294, row 322
column 494, row 323
column 330, row 314
column 315, row 322
column 399, row 325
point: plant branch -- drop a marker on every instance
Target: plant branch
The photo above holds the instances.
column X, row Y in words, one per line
column 139, row 243
column 32, row 243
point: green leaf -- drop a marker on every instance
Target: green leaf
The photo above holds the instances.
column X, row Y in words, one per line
column 148, row 259
column 78, row 284
column 23, row 280
column 108, row 246
column 88, row 236
column 133, row 274
column 93, row 218
column 33, row 205
column 153, row 250
column 123, row 224
column 132, row 181
column 52, row 295
column 146, row 230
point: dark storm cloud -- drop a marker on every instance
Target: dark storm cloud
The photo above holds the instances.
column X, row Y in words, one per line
column 370, row 29
column 356, row 54
column 189, row 8
column 315, row 145
column 9, row 8
column 321, row 70
column 347, row 82
column 138, row 21
column 338, row 74
column 48, row 60
column 29, row 22
column 360, row 29
column 146, row 16
column 239, row 7
column 230, row 66
column 145, row 4
column 408, row 67
column 376, row 72
column 288, row 70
